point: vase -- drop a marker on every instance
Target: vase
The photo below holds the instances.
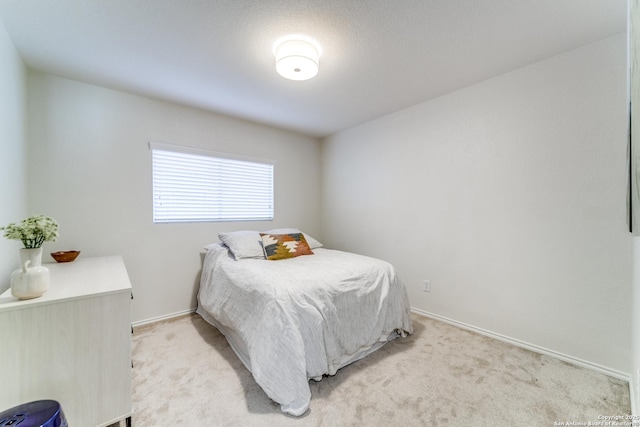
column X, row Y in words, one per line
column 31, row 280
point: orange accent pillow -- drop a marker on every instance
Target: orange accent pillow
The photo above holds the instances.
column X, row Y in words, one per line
column 282, row 246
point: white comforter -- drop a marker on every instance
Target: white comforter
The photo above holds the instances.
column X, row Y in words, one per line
column 303, row 317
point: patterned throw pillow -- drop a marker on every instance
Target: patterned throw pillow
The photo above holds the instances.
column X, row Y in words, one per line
column 281, row 246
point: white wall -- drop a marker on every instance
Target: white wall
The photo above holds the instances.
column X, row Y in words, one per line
column 509, row 196
column 90, row 168
column 13, row 157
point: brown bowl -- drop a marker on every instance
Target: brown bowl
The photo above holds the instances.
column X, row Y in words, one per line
column 65, row 256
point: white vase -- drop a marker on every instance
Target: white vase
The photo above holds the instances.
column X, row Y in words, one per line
column 31, row 280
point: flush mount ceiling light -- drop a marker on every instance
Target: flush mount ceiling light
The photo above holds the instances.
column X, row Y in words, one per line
column 297, row 58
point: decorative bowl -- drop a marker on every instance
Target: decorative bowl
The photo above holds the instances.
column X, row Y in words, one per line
column 65, row 256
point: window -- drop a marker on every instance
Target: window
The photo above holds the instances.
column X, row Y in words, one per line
column 191, row 185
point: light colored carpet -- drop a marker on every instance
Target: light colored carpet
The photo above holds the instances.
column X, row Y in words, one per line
column 185, row 373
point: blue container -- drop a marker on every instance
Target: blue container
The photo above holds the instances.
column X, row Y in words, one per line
column 41, row 413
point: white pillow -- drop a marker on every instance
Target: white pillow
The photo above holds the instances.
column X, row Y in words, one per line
column 243, row 244
column 313, row 243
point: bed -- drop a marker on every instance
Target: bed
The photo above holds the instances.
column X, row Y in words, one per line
column 300, row 318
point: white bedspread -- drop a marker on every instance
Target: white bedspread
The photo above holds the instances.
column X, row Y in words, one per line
column 303, row 317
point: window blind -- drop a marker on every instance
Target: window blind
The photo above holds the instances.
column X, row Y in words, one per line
column 194, row 185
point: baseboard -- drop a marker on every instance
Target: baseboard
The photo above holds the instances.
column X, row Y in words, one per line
column 569, row 359
column 161, row 318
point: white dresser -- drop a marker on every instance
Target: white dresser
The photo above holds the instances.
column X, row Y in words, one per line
column 73, row 344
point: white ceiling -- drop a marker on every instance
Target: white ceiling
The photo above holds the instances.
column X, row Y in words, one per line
column 378, row 56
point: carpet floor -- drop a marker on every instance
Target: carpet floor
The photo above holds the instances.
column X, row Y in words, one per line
column 185, row 373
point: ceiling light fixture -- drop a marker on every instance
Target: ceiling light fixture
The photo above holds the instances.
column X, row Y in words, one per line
column 297, row 58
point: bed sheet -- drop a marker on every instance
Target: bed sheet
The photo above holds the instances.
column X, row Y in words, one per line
column 304, row 317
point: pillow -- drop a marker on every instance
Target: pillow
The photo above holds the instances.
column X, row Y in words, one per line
column 243, row 244
column 282, row 246
column 313, row 243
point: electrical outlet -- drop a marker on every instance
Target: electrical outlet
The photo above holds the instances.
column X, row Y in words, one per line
column 426, row 285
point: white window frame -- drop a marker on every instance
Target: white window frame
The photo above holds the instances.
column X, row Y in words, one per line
column 196, row 185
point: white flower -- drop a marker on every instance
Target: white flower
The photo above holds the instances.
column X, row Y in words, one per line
column 33, row 231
